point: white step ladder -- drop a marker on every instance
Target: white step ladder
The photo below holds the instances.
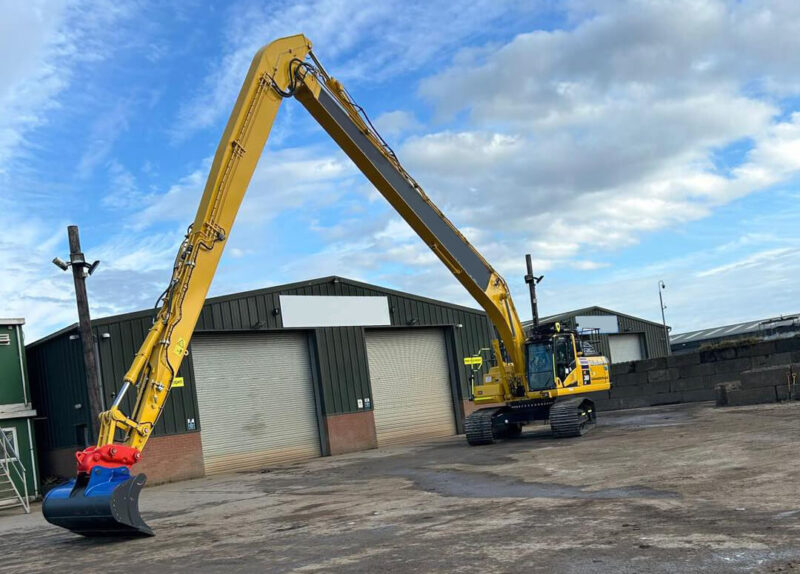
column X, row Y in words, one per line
column 12, row 472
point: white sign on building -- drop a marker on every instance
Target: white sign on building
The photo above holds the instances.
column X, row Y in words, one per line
column 334, row 311
column 605, row 324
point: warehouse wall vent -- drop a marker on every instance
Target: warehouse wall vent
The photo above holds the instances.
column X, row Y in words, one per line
column 5, row 339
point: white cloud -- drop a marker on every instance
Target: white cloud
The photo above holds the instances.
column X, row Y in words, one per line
column 103, row 132
column 284, row 179
column 28, row 78
column 586, row 139
column 585, row 265
column 700, row 293
column 627, row 50
column 359, row 40
column 397, row 122
column 573, row 144
column 41, row 44
column 123, row 192
column 608, row 130
column 750, row 262
column 132, row 272
column 178, row 204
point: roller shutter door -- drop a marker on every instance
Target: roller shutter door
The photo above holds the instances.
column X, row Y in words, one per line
column 625, row 348
column 410, row 385
column 256, row 400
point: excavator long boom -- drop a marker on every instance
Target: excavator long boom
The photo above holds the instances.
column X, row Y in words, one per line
column 282, row 69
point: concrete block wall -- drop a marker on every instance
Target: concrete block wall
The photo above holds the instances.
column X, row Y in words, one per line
column 762, row 385
column 745, row 374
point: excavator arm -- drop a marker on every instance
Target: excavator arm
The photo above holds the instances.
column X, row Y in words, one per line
column 104, row 498
column 333, row 108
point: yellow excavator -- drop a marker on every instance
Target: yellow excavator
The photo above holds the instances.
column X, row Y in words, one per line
column 540, row 376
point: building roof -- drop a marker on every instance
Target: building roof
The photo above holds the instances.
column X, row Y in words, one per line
column 277, row 288
column 737, row 329
column 586, row 310
column 12, row 321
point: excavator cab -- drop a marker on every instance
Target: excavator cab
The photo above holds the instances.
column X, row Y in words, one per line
column 550, row 355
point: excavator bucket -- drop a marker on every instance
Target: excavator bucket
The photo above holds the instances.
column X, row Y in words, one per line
column 102, row 502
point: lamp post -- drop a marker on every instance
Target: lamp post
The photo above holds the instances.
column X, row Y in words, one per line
column 661, row 287
column 80, row 271
column 532, row 280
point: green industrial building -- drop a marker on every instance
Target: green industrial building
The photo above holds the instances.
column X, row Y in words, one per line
column 620, row 337
column 313, row 368
column 19, row 479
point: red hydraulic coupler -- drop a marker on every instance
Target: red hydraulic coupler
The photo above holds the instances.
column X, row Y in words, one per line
column 107, row 456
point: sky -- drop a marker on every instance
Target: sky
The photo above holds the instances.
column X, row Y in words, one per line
column 620, row 142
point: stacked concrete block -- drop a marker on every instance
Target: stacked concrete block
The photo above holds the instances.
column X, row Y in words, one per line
column 775, row 360
column 761, row 385
column 745, row 374
column 641, row 384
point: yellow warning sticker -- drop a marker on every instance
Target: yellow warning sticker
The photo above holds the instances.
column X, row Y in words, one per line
column 473, row 361
column 177, row 382
column 180, row 348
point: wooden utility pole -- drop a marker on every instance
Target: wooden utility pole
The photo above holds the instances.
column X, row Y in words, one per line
column 80, row 270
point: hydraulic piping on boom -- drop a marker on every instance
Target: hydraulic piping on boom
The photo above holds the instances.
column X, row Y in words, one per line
column 103, row 499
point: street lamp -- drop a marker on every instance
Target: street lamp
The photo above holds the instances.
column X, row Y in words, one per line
column 86, row 268
column 661, row 287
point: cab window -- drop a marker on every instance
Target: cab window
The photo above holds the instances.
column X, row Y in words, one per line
column 564, row 357
column 540, row 365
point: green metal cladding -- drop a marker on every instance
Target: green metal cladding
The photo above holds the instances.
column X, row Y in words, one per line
column 338, row 353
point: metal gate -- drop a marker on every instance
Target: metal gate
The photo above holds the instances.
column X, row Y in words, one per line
column 256, row 400
column 410, row 385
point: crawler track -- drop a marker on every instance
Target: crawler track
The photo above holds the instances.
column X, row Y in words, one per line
column 572, row 417
column 479, row 427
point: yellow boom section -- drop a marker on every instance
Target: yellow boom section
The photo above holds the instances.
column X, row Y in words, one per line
column 281, row 70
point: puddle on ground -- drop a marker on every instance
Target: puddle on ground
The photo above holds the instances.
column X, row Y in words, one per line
column 477, row 485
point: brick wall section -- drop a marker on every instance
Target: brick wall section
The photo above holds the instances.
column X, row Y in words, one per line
column 165, row 459
column 760, row 372
column 171, row 458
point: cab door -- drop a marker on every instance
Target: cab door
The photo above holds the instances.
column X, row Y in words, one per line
column 564, row 359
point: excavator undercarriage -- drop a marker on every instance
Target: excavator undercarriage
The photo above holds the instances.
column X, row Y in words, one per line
column 571, row 417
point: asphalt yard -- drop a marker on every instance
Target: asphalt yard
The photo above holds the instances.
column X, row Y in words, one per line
column 684, row 488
